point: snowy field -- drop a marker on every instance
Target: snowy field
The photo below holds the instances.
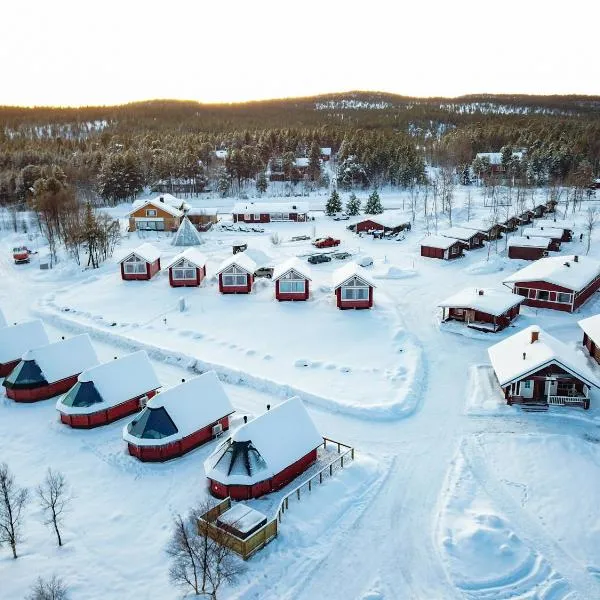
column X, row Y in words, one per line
column 452, row 494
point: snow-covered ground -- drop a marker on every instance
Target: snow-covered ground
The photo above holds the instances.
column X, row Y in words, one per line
column 453, row 494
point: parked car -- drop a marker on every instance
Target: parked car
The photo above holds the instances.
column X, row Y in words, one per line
column 300, row 238
column 257, row 229
column 326, row 242
column 315, row 259
column 365, row 261
column 341, row 217
column 342, row 255
column 264, row 272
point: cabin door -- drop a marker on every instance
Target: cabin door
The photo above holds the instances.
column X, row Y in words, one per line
column 469, row 315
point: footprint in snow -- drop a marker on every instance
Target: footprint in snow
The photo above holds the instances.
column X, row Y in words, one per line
column 330, row 366
column 250, row 352
column 267, row 357
column 302, row 362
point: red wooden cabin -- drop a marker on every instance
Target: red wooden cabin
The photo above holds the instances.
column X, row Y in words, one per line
column 292, row 281
column 265, row 454
column 591, row 336
column 437, row 246
column 187, row 269
column 236, row 274
column 50, row 370
column 265, row 212
column 565, row 227
column 551, row 234
column 179, row 419
column 353, row 287
column 109, row 391
column 528, row 247
column 471, row 237
column 142, row 263
column 557, row 282
column 16, row 340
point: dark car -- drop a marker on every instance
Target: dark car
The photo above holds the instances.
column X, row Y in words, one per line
column 342, row 255
column 264, row 272
column 315, row 259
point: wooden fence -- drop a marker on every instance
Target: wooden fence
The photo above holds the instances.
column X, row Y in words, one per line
column 260, row 538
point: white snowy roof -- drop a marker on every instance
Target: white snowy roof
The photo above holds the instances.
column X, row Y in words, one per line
column 192, row 255
column 302, row 162
column 64, row 358
column 326, row 151
column 202, row 210
column 477, row 224
column 222, row 154
column 293, row 264
column 146, row 252
column 156, row 203
column 192, row 405
column 530, row 242
column 269, row 207
column 240, row 260
column 438, row 241
column 591, row 326
column 242, row 517
column 508, row 362
column 3, row 322
column 117, row 381
column 559, row 224
column 15, row 340
column 554, row 269
column 459, row 233
column 343, row 274
column 491, row 301
column 282, row 436
column 547, row 232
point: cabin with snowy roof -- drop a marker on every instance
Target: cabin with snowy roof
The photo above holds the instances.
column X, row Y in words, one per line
column 159, row 214
column 437, row 246
column 142, row 263
column 108, row 392
column 550, row 233
column 566, row 227
column 557, row 282
column 525, row 247
column 591, row 336
column 202, row 218
column 388, row 224
column 353, row 287
column 236, row 274
column 16, row 340
column 526, row 217
column 264, row 454
column 50, row 370
column 491, row 231
column 535, row 369
column 266, row 212
column 292, row 280
column 471, row 237
column 179, row 419
column 187, row 269
column 484, row 309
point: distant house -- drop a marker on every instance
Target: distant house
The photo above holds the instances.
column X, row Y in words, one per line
column 557, row 282
column 187, row 269
column 16, row 340
column 292, row 281
column 353, row 287
column 265, row 212
column 325, row 154
column 158, row 214
column 528, row 247
column 484, row 309
column 179, row 419
column 553, row 235
column 141, row 263
column 591, row 336
column 437, row 246
column 202, row 218
column 495, row 160
column 264, row 454
column 383, row 223
column 236, row 274
column 50, row 370
column 472, row 238
column 565, row 227
column 534, row 368
column 109, row 391
column 490, row 231
column 511, row 224
column 526, row 217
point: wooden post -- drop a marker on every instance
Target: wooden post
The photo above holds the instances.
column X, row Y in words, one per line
column 298, row 493
column 310, row 485
column 338, row 447
column 342, row 461
column 320, row 476
column 330, row 469
column 352, row 453
column 324, row 442
column 286, row 503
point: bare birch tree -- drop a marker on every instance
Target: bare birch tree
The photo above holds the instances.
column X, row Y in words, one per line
column 49, row 589
column 12, row 502
column 591, row 219
column 54, row 497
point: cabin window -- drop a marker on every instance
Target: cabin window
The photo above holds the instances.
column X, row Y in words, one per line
column 291, row 286
column 27, row 374
column 82, row 394
column 134, row 266
column 522, row 291
column 543, row 295
column 152, row 423
column 184, row 273
column 355, row 293
column 564, row 298
column 454, row 249
column 256, row 217
column 231, row 280
column 158, row 225
column 150, row 212
column 459, row 311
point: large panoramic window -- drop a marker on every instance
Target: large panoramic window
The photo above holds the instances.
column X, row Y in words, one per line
column 232, row 280
column 564, row 298
column 152, row 423
column 184, row 273
column 291, row 286
column 26, row 374
column 82, row 394
column 134, row 266
column 356, row 293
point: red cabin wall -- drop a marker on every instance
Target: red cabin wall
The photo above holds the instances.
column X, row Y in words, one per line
column 43, row 392
column 238, row 289
column 550, row 287
column 6, row 368
column 287, row 296
column 367, row 224
column 200, row 274
column 430, row 252
column 526, row 252
column 151, row 270
column 346, row 304
column 585, row 294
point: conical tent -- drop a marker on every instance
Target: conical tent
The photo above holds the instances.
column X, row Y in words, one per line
column 187, row 234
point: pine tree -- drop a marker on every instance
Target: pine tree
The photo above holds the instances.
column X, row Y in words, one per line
column 261, row 183
column 314, row 161
column 353, row 205
column 334, row 204
column 374, row 206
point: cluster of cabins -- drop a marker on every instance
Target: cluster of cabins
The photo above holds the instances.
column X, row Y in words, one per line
column 352, row 286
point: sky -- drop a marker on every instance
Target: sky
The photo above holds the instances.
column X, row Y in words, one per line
column 65, row 52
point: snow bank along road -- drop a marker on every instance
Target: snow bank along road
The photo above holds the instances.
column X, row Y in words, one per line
column 391, row 548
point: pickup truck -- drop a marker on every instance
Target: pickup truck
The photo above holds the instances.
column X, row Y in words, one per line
column 326, row 242
column 21, row 254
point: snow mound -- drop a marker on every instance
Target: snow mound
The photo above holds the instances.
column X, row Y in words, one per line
column 495, row 264
column 259, row 257
column 394, row 272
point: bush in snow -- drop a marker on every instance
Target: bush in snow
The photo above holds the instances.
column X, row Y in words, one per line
column 275, row 239
column 50, row 589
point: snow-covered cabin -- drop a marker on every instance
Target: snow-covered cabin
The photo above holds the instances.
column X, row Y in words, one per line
column 265, row 454
column 15, row 340
column 241, row 520
column 179, row 419
column 533, row 367
column 437, row 246
column 511, row 224
column 482, row 308
column 292, row 280
column 382, row 223
column 557, row 282
column 202, row 218
column 157, row 214
column 353, row 287
column 109, row 391
column 527, row 247
column 236, row 274
column 142, row 263
column 187, row 234
column 471, row 237
column 221, row 154
column 554, row 235
column 490, row 231
column 50, row 370
column 566, row 227
column 495, row 159
column 265, row 212
column 187, row 269
column 591, row 336
column 3, row 322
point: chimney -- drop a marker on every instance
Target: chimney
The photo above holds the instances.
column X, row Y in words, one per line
column 527, row 237
column 481, row 292
column 161, row 199
column 535, row 336
column 115, row 357
column 268, row 407
column 245, row 418
column 183, row 381
column 576, row 258
column 524, row 355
